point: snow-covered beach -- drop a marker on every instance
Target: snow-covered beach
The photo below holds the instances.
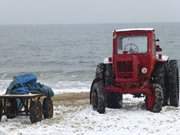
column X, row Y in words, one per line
column 74, row 116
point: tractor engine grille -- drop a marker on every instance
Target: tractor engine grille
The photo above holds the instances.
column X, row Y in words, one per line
column 125, row 69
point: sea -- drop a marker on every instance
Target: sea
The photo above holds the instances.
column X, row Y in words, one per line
column 64, row 56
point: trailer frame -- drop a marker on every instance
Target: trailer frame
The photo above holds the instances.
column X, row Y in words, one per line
column 28, row 101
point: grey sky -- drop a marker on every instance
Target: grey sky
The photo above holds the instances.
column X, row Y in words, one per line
column 88, row 11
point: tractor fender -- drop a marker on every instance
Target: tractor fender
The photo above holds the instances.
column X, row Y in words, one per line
column 107, row 60
column 163, row 58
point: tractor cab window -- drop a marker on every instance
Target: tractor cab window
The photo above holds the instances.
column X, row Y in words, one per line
column 132, row 44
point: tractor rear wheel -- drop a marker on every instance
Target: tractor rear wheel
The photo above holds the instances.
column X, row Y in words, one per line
column 158, row 102
column 166, row 92
column 97, row 97
column 48, row 108
column 108, row 75
column 100, row 71
column 173, row 83
column 114, row 100
column 35, row 111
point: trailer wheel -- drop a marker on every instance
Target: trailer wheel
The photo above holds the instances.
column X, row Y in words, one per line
column 158, row 102
column 97, row 97
column 173, row 83
column 11, row 108
column 114, row 100
column 35, row 111
column 1, row 109
column 48, row 108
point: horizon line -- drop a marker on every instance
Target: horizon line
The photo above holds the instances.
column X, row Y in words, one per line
column 91, row 23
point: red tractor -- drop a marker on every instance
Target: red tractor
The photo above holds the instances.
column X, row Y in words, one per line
column 136, row 67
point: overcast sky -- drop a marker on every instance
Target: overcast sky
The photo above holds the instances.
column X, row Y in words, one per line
column 88, row 11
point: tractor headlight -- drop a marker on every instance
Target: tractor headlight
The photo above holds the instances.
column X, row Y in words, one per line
column 144, row 70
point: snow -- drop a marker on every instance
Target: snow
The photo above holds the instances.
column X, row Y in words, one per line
column 134, row 29
column 82, row 120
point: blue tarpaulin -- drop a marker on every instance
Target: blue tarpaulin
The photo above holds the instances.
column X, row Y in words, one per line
column 25, row 78
column 27, row 83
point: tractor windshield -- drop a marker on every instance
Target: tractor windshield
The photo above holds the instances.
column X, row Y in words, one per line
column 132, row 44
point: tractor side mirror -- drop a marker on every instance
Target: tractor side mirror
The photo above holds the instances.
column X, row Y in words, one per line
column 158, row 48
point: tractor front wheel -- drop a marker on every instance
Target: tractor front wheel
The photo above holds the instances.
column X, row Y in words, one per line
column 156, row 100
column 159, row 77
column 97, row 97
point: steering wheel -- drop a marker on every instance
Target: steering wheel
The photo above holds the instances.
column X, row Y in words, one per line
column 131, row 48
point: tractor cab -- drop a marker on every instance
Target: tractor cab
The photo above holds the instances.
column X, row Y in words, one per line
column 133, row 54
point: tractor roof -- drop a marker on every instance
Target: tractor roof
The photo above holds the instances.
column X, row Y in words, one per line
column 134, row 29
